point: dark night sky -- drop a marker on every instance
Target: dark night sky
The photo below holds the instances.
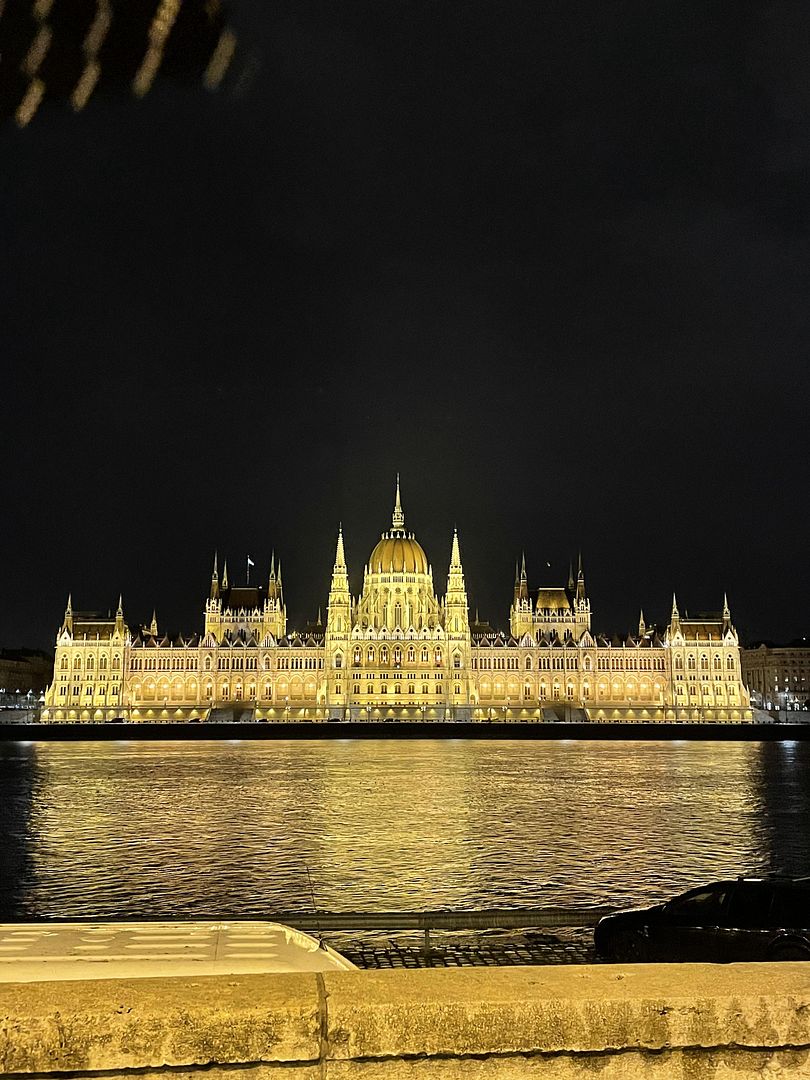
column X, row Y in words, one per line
column 550, row 261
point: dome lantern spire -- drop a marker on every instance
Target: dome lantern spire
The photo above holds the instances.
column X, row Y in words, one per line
column 398, row 518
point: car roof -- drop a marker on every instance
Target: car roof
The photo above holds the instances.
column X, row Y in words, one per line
column 765, row 879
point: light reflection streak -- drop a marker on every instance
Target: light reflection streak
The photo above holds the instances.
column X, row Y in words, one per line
column 181, row 829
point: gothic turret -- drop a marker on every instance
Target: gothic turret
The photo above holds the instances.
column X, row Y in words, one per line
column 338, row 627
column 120, row 625
column 67, row 622
column 456, row 618
column 581, row 597
column 726, row 614
column 274, row 614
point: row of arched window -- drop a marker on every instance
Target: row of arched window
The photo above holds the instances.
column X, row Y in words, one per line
column 90, row 664
column 691, row 662
column 383, row 655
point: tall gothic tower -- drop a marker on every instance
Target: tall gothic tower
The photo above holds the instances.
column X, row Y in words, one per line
column 338, row 629
column 457, row 629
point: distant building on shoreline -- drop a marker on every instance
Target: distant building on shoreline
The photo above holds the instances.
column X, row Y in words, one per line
column 24, row 673
column 397, row 651
column 778, row 676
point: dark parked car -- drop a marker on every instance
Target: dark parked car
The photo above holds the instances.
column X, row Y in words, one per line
column 746, row 919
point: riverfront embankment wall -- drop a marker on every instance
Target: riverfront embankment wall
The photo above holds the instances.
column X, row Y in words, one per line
column 658, row 1022
column 80, row 732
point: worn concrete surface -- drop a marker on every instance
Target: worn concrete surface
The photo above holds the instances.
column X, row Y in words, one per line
column 652, row 1022
column 131, row 1024
column 519, row 1010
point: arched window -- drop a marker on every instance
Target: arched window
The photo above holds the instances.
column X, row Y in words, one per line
column 397, row 655
column 528, row 663
column 587, row 664
column 370, row 654
column 690, row 661
column 679, row 663
column 338, row 660
column 208, row 663
column 425, row 655
column 456, row 660
column 77, row 663
column 63, row 664
column 116, row 662
column 730, row 662
column 718, row 663
column 437, row 656
column 90, row 663
column 704, row 662
column 383, row 654
column 102, row 663
column 411, row 654
column 398, row 614
column 358, row 654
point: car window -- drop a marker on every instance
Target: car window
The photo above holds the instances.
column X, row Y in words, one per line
column 750, row 905
column 791, row 907
column 701, row 908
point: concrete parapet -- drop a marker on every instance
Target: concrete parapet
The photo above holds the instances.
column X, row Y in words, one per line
column 663, row 1022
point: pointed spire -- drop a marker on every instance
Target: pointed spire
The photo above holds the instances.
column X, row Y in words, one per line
column 120, row 612
column 153, row 629
column 340, row 557
column 320, row 621
column 214, row 593
column 521, row 581
column 398, row 518
column 272, row 565
column 455, row 553
column 642, row 626
column 570, row 574
column 675, row 615
column 225, row 575
column 580, row 579
column 69, row 608
column 726, row 609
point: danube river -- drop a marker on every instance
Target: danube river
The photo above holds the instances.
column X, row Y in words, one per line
column 229, row 829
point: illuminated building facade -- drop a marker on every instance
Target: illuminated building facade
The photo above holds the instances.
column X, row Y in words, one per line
column 397, row 651
column 778, row 676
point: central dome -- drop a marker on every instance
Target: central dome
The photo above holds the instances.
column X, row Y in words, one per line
column 398, row 553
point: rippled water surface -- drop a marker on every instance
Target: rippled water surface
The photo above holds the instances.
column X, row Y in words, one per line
column 185, row 829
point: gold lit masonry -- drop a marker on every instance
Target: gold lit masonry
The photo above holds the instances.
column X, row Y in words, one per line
column 397, row 651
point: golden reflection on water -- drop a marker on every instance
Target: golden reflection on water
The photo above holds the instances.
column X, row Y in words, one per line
column 167, row 829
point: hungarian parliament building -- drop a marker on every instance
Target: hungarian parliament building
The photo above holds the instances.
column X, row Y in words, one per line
column 397, row 651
